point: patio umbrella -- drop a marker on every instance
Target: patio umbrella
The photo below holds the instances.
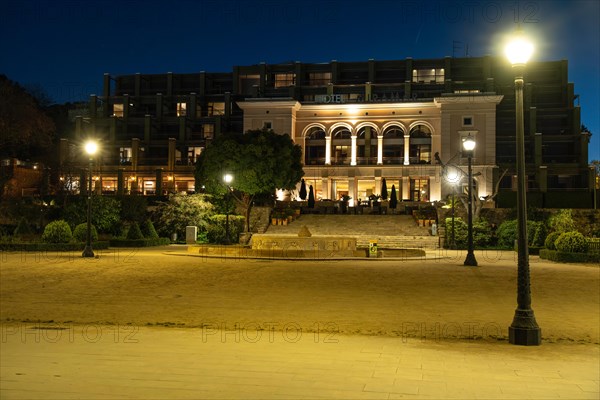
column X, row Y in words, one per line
column 302, row 190
column 311, row 197
column 393, row 198
column 384, row 193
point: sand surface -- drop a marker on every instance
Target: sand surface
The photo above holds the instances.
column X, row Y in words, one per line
column 431, row 299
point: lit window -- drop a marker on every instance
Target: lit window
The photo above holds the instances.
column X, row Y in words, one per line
column 465, row 91
column 284, row 80
column 319, row 78
column 181, row 109
column 125, row 155
column 208, row 130
column 118, row 110
column 216, row 109
column 429, row 75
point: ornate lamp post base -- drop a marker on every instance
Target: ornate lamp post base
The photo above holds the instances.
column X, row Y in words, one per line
column 470, row 261
column 87, row 252
column 524, row 330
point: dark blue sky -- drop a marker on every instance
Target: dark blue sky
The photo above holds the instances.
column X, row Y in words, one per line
column 66, row 46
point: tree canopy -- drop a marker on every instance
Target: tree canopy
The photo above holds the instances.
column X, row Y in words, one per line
column 25, row 130
column 260, row 161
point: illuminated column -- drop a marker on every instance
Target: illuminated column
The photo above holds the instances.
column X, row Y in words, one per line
column 405, row 188
column 377, row 186
column 406, row 148
column 325, row 188
column 353, row 153
column 327, row 150
column 380, row 150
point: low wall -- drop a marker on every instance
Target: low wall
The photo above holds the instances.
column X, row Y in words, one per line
column 294, row 242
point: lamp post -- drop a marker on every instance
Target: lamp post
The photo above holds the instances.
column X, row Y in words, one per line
column 524, row 329
column 452, row 177
column 90, row 148
column 468, row 147
column 227, row 178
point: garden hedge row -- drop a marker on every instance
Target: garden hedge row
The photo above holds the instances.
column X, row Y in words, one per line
column 560, row 256
column 102, row 245
column 139, row 242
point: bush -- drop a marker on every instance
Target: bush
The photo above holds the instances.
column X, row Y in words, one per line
column 139, row 242
column 507, row 233
column 180, row 211
column 572, row 242
column 80, row 233
column 105, row 212
column 57, row 232
column 134, row 232
column 22, row 228
column 216, row 228
column 559, row 256
column 133, row 208
column 550, row 242
column 481, row 233
column 148, row 230
column 562, row 221
column 539, row 235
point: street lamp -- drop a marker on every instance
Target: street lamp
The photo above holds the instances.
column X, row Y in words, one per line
column 468, row 147
column 90, row 148
column 227, row 178
column 524, row 329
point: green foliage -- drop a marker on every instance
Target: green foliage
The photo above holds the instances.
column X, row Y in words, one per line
column 22, row 228
column 481, row 233
column 260, row 161
column 148, row 242
column 572, row 242
column 134, row 232
column 57, row 232
column 562, row 221
column 80, row 233
column 507, row 233
column 148, row 230
column 183, row 210
column 550, row 242
column 539, row 235
column 72, row 246
column 559, row 256
column 133, row 208
column 216, row 229
column 105, row 213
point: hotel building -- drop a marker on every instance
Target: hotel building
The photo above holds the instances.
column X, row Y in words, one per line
column 357, row 123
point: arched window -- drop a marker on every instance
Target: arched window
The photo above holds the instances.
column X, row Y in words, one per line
column 314, row 147
column 366, row 146
column 420, row 145
column 393, row 145
column 341, row 146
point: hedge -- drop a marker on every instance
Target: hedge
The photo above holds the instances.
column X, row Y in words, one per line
column 139, row 242
column 103, row 245
column 559, row 256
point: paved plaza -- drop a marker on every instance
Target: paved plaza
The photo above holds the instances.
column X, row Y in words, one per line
column 164, row 324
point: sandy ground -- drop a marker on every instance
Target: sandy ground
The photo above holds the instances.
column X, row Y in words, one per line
column 431, row 299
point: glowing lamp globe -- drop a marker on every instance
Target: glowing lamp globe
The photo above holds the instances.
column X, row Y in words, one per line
column 469, row 144
column 518, row 51
column 91, row 147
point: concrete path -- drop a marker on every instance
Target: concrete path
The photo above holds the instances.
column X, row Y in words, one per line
column 112, row 362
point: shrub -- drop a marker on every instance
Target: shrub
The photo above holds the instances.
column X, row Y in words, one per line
column 180, row 211
column 507, row 233
column 539, row 235
column 80, row 233
column 134, row 232
column 105, row 212
column 562, row 221
column 481, row 233
column 550, row 242
column 572, row 242
column 22, row 228
column 57, row 232
column 216, row 229
column 148, row 230
column 133, row 208
column 559, row 256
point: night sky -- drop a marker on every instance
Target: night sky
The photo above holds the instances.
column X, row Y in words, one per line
column 66, row 46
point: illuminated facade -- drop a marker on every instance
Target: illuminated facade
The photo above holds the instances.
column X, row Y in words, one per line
column 357, row 123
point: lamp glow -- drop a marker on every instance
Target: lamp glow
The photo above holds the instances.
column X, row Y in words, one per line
column 227, row 178
column 519, row 50
column 469, row 143
column 91, row 147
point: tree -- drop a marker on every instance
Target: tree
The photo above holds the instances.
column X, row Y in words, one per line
column 303, row 193
column 25, row 130
column 311, row 197
column 183, row 210
column 384, row 192
column 260, row 162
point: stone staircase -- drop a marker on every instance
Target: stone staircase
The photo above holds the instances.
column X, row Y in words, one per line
column 390, row 231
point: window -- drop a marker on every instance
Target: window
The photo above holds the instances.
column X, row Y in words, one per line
column 267, row 125
column 285, row 80
column 193, row 154
column 181, row 109
column 125, row 155
column 208, row 130
column 247, row 82
column 319, row 78
column 118, row 110
column 429, row 75
column 216, row 109
column 467, row 121
column 466, row 91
